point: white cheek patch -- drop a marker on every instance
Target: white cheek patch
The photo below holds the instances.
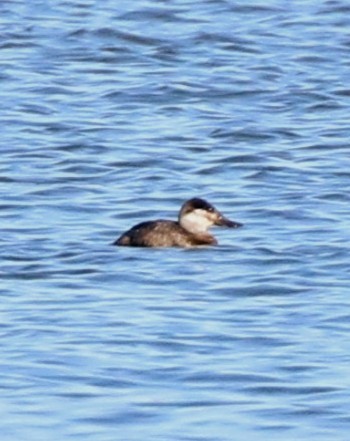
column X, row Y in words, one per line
column 196, row 220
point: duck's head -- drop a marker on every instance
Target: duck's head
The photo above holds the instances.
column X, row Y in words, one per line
column 197, row 216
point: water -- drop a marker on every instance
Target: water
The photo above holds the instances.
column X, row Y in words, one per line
column 116, row 112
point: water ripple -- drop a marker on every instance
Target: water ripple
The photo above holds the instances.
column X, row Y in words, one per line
column 111, row 116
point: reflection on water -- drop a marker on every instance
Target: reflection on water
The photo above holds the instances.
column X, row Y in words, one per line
column 112, row 115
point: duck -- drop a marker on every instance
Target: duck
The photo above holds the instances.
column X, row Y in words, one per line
column 195, row 218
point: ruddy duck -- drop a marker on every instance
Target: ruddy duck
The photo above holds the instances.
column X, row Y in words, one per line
column 195, row 218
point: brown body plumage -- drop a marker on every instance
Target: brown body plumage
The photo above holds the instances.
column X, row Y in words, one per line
column 191, row 229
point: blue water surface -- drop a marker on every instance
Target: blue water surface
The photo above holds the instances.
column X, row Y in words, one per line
column 116, row 112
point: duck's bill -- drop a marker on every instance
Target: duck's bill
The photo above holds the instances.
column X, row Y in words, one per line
column 224, row 222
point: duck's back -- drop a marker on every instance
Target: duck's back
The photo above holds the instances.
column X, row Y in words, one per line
column 161, row 233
